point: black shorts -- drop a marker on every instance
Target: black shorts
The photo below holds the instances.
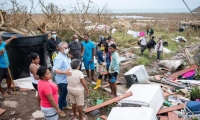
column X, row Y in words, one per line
column 35, row 86
column 3, row 74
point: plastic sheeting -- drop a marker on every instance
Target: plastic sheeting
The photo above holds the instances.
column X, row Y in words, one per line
column 18, row 51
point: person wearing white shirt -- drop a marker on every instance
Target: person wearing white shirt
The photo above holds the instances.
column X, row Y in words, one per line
column 143, row 43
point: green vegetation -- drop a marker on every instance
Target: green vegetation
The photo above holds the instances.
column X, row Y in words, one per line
column 194, row 93
column 127, row 41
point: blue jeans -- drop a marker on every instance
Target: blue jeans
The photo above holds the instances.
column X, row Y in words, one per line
column 63, row 94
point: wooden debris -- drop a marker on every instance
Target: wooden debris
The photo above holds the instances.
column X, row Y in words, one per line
column 2, row 111
column 169, row 109
column 172, row 116
column 174, row 82
column 103, row 117
column 108, row 102
column 157, row 77
column 176, row 74
column 163, row 118
column 166, row 94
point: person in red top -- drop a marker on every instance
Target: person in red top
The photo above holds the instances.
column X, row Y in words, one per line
column 48, row 92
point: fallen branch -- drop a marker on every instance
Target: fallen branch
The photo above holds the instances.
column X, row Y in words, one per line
column 12, row 30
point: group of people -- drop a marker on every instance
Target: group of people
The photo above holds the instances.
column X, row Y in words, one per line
column 151, row 45
column 69, row 80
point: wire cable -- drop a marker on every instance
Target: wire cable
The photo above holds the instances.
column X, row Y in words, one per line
column 190, row 10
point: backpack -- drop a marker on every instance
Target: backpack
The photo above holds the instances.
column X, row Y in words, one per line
column 139, row 42
column 149, row 44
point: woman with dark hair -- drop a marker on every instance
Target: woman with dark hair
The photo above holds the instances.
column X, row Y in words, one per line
column 48, row 92
column 103, row 63
column 34, row 66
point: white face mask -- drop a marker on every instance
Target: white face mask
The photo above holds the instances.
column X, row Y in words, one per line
column 76, row 40
column 66, row 51
column 53, row 36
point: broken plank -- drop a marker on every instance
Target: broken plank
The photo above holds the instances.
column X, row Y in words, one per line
column 108, row 102
column 166, row 94
column 103, row 117
column 176, row 74
column 163, row 118
column 2, row 111
column 169, row 109
column 172, row 116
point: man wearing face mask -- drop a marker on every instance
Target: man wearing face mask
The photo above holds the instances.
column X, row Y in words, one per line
column 76, row 49
column 51, row 43
column 62, row 69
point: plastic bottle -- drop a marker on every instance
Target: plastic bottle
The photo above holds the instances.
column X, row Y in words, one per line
column 166, row 103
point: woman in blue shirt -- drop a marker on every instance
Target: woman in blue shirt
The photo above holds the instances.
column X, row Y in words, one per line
column 104, row 59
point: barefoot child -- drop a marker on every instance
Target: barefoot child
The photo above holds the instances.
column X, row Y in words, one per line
column 114, row 69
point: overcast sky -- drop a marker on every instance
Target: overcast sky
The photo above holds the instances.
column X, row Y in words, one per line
column 122, row 4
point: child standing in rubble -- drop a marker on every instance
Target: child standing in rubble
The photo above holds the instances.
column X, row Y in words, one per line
column 114, row 69
column 103, row 63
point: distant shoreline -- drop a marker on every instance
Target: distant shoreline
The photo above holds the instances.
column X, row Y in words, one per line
column 161, row 11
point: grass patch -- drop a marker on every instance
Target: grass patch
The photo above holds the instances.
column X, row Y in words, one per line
column 143, row 61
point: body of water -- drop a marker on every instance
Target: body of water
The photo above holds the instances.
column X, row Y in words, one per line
column 149, row 10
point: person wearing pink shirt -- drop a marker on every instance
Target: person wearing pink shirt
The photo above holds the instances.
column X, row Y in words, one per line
column 48, row 92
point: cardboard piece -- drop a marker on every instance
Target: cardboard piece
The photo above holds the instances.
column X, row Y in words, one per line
column 108, row 102
column 169, row 109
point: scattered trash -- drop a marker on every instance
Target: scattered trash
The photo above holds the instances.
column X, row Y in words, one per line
column 2, row 111
column 132, row 113
column 38, row 114
column 108, row 102
column 180, row 39
column 176, row 74
column 144, row 95
column 12, row 104
column 137, row 74
column 170, row 64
